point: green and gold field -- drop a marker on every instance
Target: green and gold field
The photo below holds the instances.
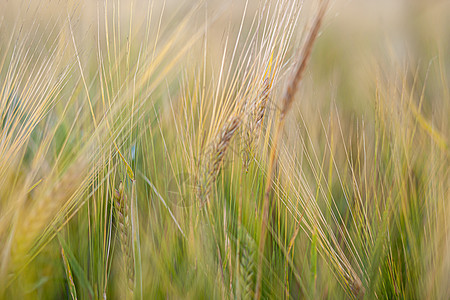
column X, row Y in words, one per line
column 256, row 149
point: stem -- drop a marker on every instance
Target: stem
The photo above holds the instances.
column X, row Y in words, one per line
column 288, row 99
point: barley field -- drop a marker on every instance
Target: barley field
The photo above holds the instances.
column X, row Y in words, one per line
column 206, row 149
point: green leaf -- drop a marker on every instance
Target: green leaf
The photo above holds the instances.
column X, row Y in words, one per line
column 77, row 269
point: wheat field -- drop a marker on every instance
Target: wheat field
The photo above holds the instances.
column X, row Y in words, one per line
column 205, row 149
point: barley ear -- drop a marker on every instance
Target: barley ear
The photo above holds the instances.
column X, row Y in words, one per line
column 288, row 99
column 215, row 154
column 124, row 227
column 256, row 112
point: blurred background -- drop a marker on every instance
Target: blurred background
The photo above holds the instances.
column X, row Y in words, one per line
column 103, row 101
